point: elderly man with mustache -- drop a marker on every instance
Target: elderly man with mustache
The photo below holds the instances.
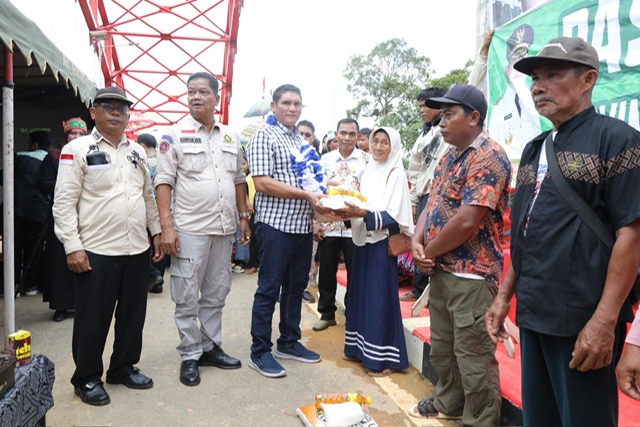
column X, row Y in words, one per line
column 572, row 291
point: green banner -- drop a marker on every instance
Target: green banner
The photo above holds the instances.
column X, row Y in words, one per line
column 611, row 26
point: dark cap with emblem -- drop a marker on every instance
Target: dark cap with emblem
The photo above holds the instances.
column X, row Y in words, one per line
column 570, row 49
column 466, row 95
column 519, row 42
column 111, row 92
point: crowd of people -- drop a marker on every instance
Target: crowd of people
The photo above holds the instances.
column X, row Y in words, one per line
column 121, row 209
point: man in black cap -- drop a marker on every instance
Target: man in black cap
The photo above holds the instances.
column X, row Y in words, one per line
column 514, row 120
column 458, row 241
column 102, row 208
column 572, row 291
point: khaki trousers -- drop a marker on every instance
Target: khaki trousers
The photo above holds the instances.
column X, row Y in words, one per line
column 200, row 283
column 462, row 353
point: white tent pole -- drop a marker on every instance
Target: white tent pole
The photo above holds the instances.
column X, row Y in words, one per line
column 7, row 211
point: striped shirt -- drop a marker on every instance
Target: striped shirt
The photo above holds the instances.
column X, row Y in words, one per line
column 268, row 155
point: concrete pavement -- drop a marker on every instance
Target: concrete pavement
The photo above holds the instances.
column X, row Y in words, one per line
column 224, row 398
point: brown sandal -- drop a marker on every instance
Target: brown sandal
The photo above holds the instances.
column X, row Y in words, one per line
column 383, row 373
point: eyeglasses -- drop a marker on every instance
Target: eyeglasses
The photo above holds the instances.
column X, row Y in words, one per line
column 110, row 108
column 306, row 134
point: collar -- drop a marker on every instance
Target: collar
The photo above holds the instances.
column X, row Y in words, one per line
column 196, row 125
column 568, row 126
column 356, row 153
column 426, row 127
column 97, row 136
column 577, row 120
column 475, row 145
column 275, row 123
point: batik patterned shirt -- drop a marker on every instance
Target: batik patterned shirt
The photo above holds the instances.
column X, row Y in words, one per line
column 478, row 176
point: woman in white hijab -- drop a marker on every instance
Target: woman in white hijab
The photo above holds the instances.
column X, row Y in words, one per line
column 374, row 331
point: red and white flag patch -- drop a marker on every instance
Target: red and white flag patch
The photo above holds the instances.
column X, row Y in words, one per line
column 66, row 159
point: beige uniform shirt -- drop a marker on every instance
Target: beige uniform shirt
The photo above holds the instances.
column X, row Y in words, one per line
column 203, row 169
column 103, row 199
column 425, row 156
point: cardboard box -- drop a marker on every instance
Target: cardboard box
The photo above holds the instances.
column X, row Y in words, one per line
column 7, row 374
column 20, row 347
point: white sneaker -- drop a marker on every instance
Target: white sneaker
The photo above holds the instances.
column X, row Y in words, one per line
column 237, row 269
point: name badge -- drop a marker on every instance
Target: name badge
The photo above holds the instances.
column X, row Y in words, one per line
column 190, row 140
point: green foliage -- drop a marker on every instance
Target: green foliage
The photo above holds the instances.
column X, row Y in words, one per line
column 453, row 77
column 385, row 83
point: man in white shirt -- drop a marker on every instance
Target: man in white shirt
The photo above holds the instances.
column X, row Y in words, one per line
column 343, row 168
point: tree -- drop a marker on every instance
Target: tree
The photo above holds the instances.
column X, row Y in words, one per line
column 385, row 83
column 453, row 77
column 459, row 76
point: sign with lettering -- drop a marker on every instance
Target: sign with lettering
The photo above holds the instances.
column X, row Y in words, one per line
column 611, row 26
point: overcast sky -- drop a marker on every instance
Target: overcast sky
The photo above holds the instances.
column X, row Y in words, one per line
column 308, row 43
column 303, row 42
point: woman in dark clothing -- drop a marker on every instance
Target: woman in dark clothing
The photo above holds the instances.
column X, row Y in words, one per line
column 57, row 279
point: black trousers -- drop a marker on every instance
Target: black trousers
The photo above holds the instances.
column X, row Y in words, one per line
column 554, row 394
column 329, row 254
column 114, row 283
column 254, row 255
column 29, row 247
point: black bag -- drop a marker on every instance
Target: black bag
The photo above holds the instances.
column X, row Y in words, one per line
column 584, row 211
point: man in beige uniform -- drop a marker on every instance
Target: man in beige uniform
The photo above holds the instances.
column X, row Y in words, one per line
column 102, row 208
column 200, row 171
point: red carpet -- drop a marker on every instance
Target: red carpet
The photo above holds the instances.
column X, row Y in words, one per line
column 510, row 379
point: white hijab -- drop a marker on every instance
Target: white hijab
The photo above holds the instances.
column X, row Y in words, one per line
column 386, row 188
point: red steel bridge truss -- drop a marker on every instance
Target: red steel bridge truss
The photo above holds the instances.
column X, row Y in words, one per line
column 150, row 47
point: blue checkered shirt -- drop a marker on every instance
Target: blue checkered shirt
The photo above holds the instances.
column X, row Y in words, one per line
column 268, row 155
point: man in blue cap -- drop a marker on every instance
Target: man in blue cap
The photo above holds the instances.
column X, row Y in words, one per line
column 458, row 241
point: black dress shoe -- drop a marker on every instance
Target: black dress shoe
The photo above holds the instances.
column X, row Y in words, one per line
column 189, row 373
column 59, row 315
column 155, row 286
column 133, row 379
column 307, row 297
column 217, row 357
column 93, row 393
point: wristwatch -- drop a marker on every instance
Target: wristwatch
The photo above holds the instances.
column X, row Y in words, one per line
column 244, row 215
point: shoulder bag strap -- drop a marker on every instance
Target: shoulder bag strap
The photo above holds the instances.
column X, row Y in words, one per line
column 572, row 198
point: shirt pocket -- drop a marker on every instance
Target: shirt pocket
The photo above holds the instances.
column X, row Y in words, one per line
column 195, row 157
column 230, row 157
column 101, row 177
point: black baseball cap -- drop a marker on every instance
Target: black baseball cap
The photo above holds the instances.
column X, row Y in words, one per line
column 111, row 92
column 467, row 95
column 519, row 42
column 571, row 49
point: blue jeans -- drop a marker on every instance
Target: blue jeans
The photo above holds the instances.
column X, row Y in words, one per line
column 285, row 260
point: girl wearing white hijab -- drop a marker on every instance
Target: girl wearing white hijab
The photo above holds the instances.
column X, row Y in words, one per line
column 374, row 331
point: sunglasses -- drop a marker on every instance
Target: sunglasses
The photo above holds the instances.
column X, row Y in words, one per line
column 110, row 108
column 306, row 134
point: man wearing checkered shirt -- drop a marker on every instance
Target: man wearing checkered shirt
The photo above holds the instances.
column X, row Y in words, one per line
column 284, row 230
